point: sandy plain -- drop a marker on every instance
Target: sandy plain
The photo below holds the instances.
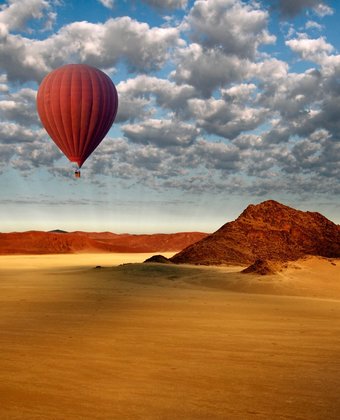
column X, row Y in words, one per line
column 167, row 342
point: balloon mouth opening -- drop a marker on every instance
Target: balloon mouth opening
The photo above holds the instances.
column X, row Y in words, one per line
column 77, row 161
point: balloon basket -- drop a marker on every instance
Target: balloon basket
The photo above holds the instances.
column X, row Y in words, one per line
column 77, row 174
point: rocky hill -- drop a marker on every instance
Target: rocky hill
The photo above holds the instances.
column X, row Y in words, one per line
column 268, row 231
column 61, row 242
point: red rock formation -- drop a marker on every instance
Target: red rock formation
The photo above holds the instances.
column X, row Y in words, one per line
column 57, row 242
column 35, row 242
column 269, row 231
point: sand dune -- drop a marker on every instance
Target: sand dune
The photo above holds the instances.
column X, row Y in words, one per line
column 149, row 341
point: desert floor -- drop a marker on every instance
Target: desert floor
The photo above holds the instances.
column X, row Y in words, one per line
column 167, row 342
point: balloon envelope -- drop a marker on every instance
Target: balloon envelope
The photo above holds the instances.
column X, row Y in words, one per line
column 77, row 105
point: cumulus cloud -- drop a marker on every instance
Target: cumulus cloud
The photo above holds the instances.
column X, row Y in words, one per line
column 103, row 44
column 19, row 107
column 4, row 88
column 311, row 24
column 227, row 39
column 130, row 161
column 160, row 167
column 268, row 70
column 239, row 93
column 140, row 96
column 107, row 3
column 291, row 8
column 35, row 154
column 7, row 151
column 221, row 167
column 317, row 158
column 292, row 95
column 163, row 133
column 237, row 27
column 207, row 69
column 167, row 4
column 218, row 156
column 132, row 108
column 322, row 9
column 226, row 117
column 220, row 116
column 16, row 14
column 12, row 133
column 310, row 49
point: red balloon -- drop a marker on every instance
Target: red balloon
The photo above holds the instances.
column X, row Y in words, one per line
column 77, row 105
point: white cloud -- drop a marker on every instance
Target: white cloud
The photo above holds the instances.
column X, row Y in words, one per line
column 237, row 27
column 7, row 151
column 17, row 13
column 322, row 10
column 163, row 133
column 310, row 49
column 311, row 24
column 269, row 70
column 103, row 45
column 220, row 156
column 4, row 88
column 12, row 133
column 239, row 93
column 167, row 4
column 107, row 3
column 291, row 8
column 19, row 107
column 37, row 153
column 132, row 108
column 227, row 36
column 137, row 94
column 207, row 69
column 225, row 117
column 50, row 21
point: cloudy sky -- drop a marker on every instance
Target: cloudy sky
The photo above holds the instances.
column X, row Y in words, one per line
column 222, row 103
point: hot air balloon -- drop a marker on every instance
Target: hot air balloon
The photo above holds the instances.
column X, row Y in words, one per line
column 77, row 105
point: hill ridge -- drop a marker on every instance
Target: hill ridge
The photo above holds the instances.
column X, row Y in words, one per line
column 39, row 242
column 269, row 230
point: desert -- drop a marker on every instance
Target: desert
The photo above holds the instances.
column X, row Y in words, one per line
column 158, row 341
column 242, row 323
column 169, row 210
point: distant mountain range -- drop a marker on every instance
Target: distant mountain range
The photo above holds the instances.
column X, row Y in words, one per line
column 267, row 231
column 61, row 242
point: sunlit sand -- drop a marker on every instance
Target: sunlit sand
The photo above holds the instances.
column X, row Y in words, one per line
column 75, row 261
column 167, row 342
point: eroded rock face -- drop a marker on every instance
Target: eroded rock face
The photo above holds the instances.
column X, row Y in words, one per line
column 267, row 231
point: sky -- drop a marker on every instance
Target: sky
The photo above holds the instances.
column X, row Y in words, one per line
column 222, row 103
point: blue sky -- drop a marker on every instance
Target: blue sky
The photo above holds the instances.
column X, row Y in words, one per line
column 222, row 103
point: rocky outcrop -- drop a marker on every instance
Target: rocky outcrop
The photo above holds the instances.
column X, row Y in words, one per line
column 262, row 267
column 160, row 259
column 268, row 231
